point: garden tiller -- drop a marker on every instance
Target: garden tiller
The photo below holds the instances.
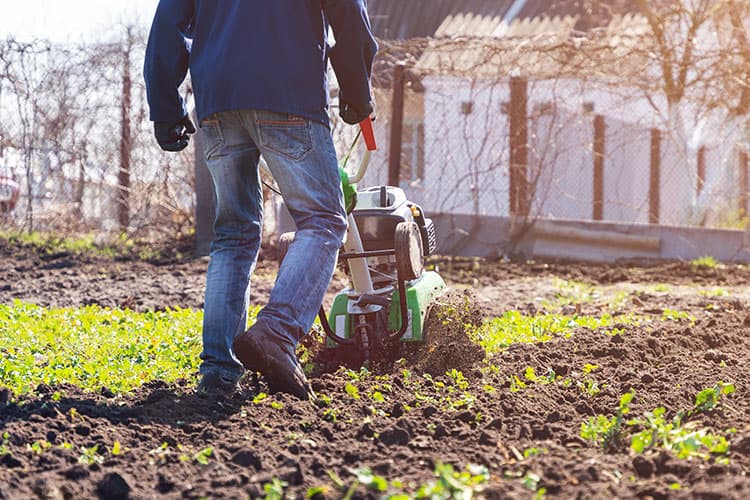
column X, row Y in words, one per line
column 390, row 293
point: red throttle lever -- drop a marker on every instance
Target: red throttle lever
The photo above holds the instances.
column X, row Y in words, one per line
column 366, row 127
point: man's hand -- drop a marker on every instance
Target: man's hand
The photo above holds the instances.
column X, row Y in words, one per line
column 174, row 136
column 352, row 115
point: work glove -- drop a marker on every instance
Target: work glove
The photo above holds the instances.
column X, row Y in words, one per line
column 174, row 136
column 353, row 115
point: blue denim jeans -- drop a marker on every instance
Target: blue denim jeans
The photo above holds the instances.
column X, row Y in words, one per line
column 302, row 159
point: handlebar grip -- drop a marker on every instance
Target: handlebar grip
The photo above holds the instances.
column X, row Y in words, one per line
column 367, row 132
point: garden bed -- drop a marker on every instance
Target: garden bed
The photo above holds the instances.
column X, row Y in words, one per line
column 569, row 346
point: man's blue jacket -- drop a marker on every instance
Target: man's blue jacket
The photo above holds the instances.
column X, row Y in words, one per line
column 257, row 54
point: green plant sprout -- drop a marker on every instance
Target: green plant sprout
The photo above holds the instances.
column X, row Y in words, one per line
column 588, row 368
column 323, row 400
column 607, row 432
column 448, row 484
column 90, row 456
column 39, row 446
column 203, row 455
column 677, row 435
column 589, row 387
column 377, row 397
column 275, row 489
column 458, row 379
column 531, row 481
column 4, row 448
column 454, row 484
column 710, row 398
column 117, row 449
column 323, row 491
column 160, row 453
column 674, row 315
column 330, row 415
column 534, row 451
column 351, row 390
column 370, row 480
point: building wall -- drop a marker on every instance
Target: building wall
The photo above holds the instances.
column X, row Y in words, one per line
column 466, row 147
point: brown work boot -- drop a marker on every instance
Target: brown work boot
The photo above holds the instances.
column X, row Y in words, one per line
column 213, row 385
column 275, row 359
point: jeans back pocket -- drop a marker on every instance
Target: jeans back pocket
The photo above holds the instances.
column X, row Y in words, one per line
column 286, row 134
column 213, row 138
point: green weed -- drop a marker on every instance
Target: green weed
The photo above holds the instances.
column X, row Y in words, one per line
column 117, row 449
column 706, row 261
column 39, row 446
column 608, row 432
column 454, row 484
column 514, row 327
column 677, row 435
column 119, row 246
column 448, row 484
column 49, row 243
column 94, row 347
column 4, row 448
column 352, row 390
column 371, row 480
column 90, row 456
column 674, row 315
column 710, row 398
column 275, row 489
column 203, row 455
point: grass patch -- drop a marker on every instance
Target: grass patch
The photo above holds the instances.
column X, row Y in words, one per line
column 94, row 347
column 48, row 243
column 117, row 246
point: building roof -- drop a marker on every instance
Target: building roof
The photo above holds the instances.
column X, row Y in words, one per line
column 537, row 48
column 404, row 19
column 490, row 38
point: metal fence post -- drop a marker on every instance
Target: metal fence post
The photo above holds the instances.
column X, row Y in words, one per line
column 122, row 201
column 519, row 146
column 599, row 151
column 744, row 184
column 397, row 125
column 701, row 170
column 655, row 177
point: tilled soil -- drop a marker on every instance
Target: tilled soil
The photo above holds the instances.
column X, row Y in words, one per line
column 399, row 423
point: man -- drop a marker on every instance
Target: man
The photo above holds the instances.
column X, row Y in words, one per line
column 258, row 70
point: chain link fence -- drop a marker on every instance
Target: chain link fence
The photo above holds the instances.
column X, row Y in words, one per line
column 589, row 137
column 76, row 140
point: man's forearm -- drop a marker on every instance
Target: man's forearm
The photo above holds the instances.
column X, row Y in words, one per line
column 354, row 51
column 167, row 58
